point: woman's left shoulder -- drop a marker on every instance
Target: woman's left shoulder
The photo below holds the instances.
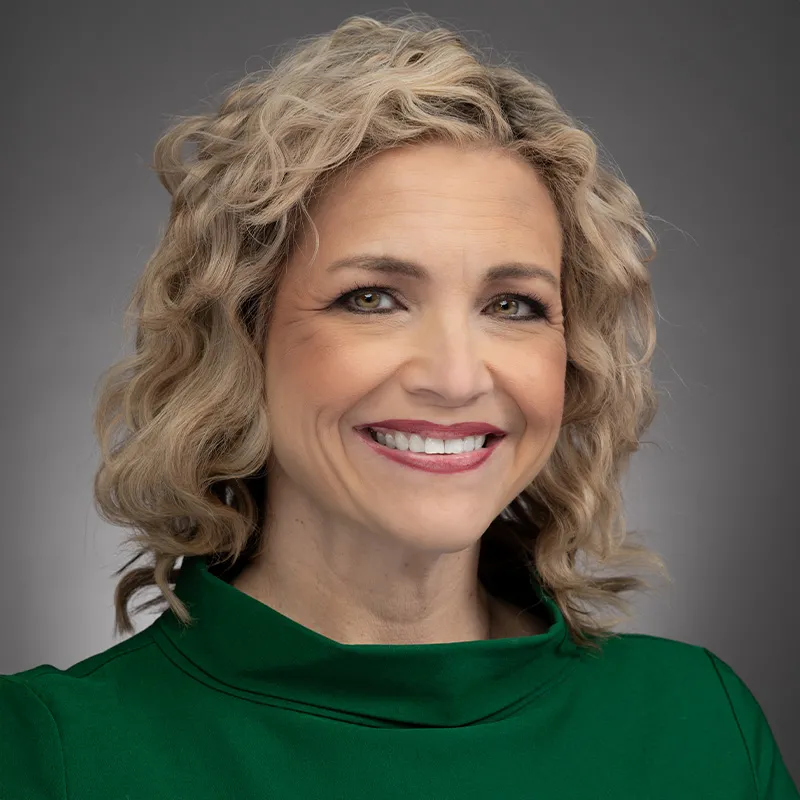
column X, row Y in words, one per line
column 660, row 659
column 689, row 688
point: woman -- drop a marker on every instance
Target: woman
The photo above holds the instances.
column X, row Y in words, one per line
column 392, row 358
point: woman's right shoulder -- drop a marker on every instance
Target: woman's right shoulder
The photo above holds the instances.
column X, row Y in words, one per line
column 31, row 756
column 37, row 704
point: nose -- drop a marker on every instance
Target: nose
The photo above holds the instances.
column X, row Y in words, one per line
column 448, row 362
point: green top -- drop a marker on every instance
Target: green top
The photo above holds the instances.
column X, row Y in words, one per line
column 248, row 703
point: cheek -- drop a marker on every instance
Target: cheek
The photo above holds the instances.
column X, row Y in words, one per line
column 321, row 372
column 537, row 379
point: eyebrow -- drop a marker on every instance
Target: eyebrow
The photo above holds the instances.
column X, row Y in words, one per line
column 390, row 265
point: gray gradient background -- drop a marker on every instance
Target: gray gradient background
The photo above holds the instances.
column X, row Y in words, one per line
column 692, row 101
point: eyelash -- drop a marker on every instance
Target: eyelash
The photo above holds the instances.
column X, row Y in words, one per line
column 541, row 308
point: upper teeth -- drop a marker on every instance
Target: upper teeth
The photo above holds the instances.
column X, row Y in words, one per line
column 417, row 444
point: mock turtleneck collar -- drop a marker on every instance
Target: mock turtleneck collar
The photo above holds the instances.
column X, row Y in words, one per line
column 242, row 646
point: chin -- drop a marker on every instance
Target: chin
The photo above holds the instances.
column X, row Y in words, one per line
column 437, row 533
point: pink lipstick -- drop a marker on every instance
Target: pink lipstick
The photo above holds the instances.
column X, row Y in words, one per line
column 435, row 462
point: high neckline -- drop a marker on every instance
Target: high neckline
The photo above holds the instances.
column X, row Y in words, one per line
column 243, row 646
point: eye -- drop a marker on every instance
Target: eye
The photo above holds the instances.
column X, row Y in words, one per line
column 371, row 294
column 538, row 308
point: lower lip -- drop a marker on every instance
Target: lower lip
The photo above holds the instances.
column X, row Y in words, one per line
column 452, row 462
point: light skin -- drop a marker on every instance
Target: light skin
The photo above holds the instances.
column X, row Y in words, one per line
column 359, row 548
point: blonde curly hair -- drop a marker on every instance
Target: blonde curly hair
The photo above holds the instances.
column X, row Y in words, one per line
column 182, row 423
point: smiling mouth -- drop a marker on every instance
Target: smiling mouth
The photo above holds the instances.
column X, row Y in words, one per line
column 489, row 440
column 438, row 463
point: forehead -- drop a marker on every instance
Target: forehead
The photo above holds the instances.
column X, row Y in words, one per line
column 438, row 195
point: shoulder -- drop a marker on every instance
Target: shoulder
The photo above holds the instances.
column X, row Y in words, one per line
column 39, row 705
column 659, row 658
column 50, row 682
column 666, row 675
column 654, row 656
column 684, row 684
column 663, row 664
column 31, row 756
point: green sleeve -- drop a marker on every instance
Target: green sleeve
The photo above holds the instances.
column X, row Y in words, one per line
column 771, row 778
column 31, row 760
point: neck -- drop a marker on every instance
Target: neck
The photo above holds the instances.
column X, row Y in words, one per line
column 347, row 618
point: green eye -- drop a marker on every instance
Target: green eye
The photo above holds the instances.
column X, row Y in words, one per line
column 539, row 308
column 373, row 295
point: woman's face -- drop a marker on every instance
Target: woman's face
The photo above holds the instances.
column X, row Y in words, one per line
column 449, row 347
